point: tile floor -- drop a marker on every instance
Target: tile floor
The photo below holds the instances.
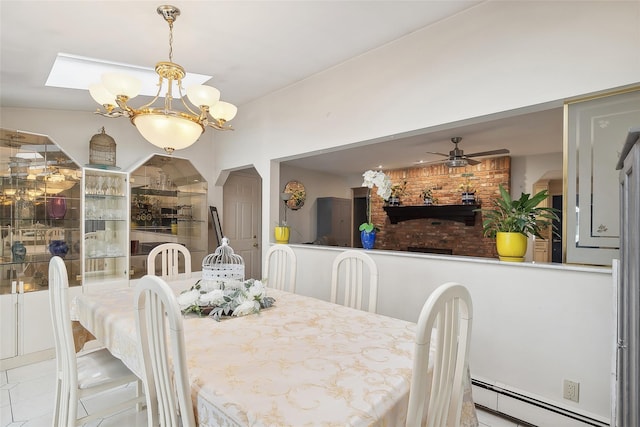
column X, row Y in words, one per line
column 26, row 400
column 27, row 397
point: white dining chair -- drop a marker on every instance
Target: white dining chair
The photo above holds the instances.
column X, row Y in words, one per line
column 446, row 317
column 280, row 268
column 349, row 271
column 164, row 362
column 169, row 254
column 86, row 373
column 55, row 233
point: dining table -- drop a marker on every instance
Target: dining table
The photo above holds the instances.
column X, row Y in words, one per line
column 301, row 362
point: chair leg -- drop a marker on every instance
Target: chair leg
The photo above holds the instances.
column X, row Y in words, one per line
column 57, row 410
column 139, row 392
column 56, row 401
column 64, row 418
column 72, row 407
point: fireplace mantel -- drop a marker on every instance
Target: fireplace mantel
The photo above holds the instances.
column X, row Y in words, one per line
column 460, row 213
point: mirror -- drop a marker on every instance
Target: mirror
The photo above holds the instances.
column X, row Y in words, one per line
column 597, row 128
column 297, row 195
column 533, row 137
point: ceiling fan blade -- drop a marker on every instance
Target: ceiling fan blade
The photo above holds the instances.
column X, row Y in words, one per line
column 439, row 154
column 473, row 162
column 489, row 153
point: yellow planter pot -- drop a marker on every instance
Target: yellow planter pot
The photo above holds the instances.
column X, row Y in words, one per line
column 511, row 246
column 281, row 234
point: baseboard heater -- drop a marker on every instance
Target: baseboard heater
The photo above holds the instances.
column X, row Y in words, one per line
column 589, row 421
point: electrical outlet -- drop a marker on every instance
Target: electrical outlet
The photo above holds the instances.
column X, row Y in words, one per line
column 571, row 390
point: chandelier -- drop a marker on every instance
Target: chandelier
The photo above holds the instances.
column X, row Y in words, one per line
column 163, row 126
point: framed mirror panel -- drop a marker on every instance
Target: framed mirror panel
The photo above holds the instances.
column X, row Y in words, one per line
column 596, row 130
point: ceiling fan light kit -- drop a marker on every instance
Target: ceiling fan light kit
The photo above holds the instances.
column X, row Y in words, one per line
column 163, row 126
column 457, row 159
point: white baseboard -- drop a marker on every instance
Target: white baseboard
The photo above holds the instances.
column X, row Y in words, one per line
column 528, row 409
column 27, row 359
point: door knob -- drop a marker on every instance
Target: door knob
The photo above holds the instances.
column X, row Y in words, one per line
column 255, row 245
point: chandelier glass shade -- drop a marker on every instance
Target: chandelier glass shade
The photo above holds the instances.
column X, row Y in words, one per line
column 162, row 125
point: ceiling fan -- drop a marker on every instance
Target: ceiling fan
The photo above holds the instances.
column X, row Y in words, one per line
column 456, row 157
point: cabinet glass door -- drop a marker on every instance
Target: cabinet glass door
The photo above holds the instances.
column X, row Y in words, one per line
column 39, row 211
column 105, row 228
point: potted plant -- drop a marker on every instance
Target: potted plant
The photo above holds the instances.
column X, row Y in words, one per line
column 512, row 221
column 397, row 192
column 468, row 190
column 380, row 180
column 427, row 196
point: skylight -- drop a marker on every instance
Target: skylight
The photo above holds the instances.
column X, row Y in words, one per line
column 78, row 72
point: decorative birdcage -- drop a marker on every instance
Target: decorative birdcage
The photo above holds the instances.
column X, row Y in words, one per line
column 102, row 150
column 221, row 266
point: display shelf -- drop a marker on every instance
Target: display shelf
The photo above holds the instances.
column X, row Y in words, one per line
column 105, row 228
column 168, row 204
column 461, row 213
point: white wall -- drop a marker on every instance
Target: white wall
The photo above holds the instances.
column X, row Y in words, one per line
column 526, row 171
column 533, row 325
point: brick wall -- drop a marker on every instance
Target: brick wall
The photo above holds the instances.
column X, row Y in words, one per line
column 439, row 233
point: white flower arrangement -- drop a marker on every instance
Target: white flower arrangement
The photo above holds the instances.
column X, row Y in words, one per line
column 234, row 298
column 380, row 180
column 383, row 182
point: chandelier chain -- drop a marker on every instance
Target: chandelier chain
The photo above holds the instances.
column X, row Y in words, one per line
column 170, row 41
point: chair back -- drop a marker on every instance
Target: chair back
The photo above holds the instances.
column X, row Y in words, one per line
column 444, row 323
column 280, row 268
column 66, row 364
column 56, row 233
column 349, row 271
column 169, row 256
column 164, row 363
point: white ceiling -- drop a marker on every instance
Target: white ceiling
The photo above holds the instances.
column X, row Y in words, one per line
column 251, row 48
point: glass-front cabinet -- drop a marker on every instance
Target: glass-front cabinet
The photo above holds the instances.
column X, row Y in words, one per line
column 168, row 204
column 105, row 228
column 40, row 215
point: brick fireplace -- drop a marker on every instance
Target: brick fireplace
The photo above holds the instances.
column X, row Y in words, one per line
column 439, row 235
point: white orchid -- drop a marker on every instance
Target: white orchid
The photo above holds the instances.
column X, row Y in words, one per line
column 380, row 180
column 383, row 183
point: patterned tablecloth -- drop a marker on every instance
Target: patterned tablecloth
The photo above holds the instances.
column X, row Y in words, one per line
column 302, row 362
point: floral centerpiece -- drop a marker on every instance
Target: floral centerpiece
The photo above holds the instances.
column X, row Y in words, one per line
column 383, row 183
column 234, row 298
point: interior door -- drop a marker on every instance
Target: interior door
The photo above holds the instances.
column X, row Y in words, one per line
column 241, row 222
